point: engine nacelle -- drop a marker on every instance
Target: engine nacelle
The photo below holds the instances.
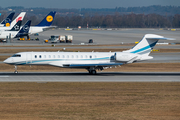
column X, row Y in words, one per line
column 125, row 57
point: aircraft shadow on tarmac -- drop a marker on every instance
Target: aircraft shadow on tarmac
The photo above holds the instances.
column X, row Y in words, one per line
column 98, row 74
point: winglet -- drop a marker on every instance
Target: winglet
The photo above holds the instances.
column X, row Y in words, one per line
column 47, row 21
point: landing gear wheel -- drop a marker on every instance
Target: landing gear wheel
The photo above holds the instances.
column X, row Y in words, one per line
column 92, row 72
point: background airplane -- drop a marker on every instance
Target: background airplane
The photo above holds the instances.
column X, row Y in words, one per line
column 90, row 61
column 7, row 21
column 16, row 31
column 19, row 17
column 45, row 23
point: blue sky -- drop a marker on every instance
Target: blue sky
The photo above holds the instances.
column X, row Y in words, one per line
column 87, row 3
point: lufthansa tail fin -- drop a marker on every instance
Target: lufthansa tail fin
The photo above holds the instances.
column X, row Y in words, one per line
column 6, row 22
column 47, row 21
column 147, row 43
column 24, row 30
column 17, row 26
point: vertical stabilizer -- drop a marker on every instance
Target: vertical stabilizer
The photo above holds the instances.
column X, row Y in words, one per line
column 147, row 43
column 6, row 22
column 19, row 17
column 24, row 30
column 47, row 21
column 17, row 26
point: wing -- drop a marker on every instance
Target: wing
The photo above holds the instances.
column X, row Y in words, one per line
column 58, row 64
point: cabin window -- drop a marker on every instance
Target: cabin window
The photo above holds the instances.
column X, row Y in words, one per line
column 49, row 56
column 54, row 56
column 44, row 56
column 76, row 56
column 90, row 56
column 63, row 56
column 16, row 55
column 81, row 56
column 86, row 56
column 67, row 56
column 35, row 56
column 72, row 56
column 39, row 56
column 58, row 56
column 95, row 56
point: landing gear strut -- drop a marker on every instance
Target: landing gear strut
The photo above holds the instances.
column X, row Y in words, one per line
column 15, row 69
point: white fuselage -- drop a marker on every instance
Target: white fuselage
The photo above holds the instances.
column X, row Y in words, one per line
column 48, row 58
column 73, row 59
column 36, row 29
column 4, row 31
column 5, row 34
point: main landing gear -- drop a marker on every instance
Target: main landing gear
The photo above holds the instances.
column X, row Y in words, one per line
column 16, row 72
column 92, row 72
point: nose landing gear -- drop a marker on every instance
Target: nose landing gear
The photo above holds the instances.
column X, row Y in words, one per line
column 15, row 69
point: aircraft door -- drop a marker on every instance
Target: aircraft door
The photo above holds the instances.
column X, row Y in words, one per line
column 28, row 58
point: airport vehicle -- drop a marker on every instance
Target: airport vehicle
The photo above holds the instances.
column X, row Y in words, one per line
column 54, row 38
column 90, row 40
column 69, row 38
column 16, row 32
column 7, row 21
column 62, row 39
column 90, row 61
column 19, row 17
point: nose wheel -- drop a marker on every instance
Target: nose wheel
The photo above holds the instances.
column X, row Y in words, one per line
column 15, row 69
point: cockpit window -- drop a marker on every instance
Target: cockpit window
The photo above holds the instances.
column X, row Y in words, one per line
column 16, row 55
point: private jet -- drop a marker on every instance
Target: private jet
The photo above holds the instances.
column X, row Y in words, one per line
column 91, row 61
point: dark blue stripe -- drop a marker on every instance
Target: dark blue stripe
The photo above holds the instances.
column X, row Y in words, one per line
column 145, row 48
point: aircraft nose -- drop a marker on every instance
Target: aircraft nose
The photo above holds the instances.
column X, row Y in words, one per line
column 8, row 60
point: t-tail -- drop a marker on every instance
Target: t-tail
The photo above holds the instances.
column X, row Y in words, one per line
column 6, row 22
column 147, row 43
column 24, row 30
column 47, row 21
column 17, row 26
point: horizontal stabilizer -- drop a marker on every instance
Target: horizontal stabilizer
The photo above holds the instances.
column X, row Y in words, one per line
column 160, row 38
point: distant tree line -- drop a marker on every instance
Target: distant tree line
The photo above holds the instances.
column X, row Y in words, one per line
column 119, row 17
column 119, row 21
column 158, row 9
